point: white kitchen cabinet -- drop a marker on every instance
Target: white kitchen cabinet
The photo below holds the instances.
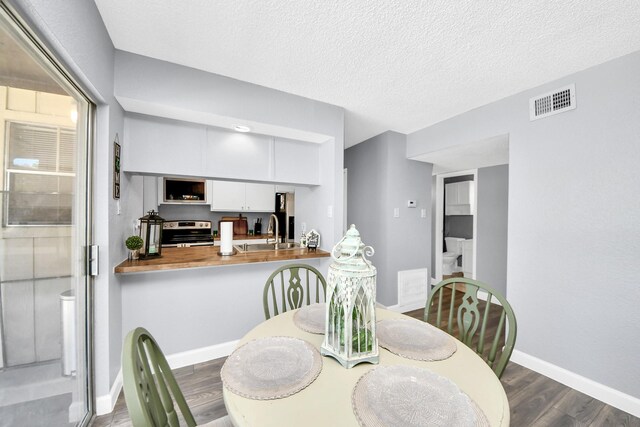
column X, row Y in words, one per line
column 230, row 196
column 296, row 161
column 459, row 198
column 260, row 197
column 154, row 145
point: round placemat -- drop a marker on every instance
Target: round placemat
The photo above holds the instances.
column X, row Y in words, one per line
column 271, row 368
column 407, row 396
column 311, row 318
column 414, row 339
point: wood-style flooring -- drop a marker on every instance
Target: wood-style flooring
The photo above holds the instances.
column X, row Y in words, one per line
column 534, row 399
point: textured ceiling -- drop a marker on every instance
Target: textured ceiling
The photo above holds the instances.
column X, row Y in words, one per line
column 393, row 65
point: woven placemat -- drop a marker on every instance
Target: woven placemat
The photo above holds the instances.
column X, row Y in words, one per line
column 311, row 318
column 405, row 396
column 271, row 368
column 414, row 339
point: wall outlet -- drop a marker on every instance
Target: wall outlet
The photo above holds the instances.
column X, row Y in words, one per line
column 118, row 207
column 396, row 212
column 423, row 213
column 411, row 204
column 330, row 211
column 304, row 227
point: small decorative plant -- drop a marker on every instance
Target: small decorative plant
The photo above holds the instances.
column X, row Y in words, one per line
column 134, row 243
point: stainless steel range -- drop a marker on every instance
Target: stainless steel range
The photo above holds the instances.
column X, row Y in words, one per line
column 179, row 233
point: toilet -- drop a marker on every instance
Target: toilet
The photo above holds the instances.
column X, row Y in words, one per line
column 450, row 258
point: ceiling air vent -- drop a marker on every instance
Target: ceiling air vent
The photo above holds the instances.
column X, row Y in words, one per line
column 554, row 102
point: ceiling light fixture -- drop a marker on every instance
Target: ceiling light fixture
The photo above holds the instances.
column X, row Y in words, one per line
column 242, row 128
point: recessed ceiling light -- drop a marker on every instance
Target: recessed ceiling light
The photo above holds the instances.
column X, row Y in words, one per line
column 242, row 128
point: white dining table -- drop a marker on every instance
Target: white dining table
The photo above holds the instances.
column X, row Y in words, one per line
column 327, row 400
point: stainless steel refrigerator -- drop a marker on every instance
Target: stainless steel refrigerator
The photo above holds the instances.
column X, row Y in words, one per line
column 285, row 211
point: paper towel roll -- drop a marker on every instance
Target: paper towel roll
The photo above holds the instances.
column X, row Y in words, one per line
column 226, row 238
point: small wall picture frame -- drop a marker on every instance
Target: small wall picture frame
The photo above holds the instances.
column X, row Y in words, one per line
column 116, row 168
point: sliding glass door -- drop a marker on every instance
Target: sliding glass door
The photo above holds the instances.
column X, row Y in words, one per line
column 45, row 371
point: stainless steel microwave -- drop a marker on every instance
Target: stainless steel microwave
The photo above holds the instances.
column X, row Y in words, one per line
column 184, row 190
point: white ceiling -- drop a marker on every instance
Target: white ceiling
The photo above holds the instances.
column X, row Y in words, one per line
column 490, row 152
column 393, row 65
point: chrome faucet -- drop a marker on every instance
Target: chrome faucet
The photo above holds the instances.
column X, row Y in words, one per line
column 277, row 234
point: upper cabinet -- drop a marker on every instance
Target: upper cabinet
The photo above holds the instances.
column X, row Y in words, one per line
column 153, row 145
column 228, row 196
column 296, row 162
column 459, row 198
column 159, row 146
column 237, row 155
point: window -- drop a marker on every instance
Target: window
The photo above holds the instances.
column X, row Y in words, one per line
column 40, row 174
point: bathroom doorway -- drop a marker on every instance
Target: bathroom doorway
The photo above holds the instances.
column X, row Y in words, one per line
column 456, row 224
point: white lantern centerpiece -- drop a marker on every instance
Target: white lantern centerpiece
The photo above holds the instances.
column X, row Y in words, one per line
column 350, row 329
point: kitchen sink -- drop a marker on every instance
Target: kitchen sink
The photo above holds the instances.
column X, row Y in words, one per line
column 256, row 247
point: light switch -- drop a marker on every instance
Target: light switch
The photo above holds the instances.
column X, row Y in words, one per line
column 118, row 207
column 396, row 212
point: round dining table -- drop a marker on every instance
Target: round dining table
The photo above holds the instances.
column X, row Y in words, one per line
column 327, row 400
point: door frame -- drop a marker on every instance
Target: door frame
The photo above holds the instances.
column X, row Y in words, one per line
column 439, row 218
column 32, row 37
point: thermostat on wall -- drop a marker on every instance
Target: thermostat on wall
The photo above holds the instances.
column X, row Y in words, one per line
column 411, row 204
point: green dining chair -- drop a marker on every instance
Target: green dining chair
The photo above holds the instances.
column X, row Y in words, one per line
column 290, row 287
column 150, row 388
column 487, row 327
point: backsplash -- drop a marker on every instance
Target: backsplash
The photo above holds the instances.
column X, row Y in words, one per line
column 203, row 212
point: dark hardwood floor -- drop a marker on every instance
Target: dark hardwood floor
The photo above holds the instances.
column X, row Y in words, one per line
column 534, row 399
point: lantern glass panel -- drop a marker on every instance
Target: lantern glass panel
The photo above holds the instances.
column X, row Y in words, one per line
column 151, row 233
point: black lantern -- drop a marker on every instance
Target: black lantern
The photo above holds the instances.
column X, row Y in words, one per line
column 151, row 233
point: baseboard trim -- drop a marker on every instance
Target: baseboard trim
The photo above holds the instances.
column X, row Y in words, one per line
column 200, row 355
column 606, row 394
column 407, row 307
column 483, row 296
column 106, row 403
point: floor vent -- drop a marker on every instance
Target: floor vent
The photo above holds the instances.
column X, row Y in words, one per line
column 554, row 102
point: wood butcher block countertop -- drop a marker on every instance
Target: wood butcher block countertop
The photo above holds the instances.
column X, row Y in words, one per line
column 207, row 256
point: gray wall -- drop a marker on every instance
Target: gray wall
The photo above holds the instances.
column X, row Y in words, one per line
column 572, row 269
column 380, row 179
column 73, row 30
column 493, row 209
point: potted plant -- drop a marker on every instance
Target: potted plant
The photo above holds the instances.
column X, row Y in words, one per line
column 134, row 243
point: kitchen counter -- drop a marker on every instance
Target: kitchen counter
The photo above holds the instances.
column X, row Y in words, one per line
column 207, row 256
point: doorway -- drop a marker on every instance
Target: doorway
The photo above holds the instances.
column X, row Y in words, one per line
column 462, row 217
column 45, row 127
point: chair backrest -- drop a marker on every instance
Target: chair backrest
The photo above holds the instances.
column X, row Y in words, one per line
column 149, row 384
column 290, row 287
column 486, row 327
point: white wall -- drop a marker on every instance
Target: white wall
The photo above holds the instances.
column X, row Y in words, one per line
column 573, row 232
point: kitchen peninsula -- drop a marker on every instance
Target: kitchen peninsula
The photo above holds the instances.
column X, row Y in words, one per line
column 207, row 256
